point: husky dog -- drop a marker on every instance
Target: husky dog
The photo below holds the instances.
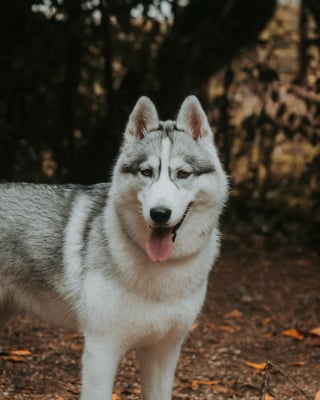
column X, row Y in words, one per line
column 126, row 263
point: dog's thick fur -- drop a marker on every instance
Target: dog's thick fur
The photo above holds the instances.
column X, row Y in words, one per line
column 126, row 263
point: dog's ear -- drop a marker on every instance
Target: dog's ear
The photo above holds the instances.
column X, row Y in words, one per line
column 144, row 117
column 193, row 119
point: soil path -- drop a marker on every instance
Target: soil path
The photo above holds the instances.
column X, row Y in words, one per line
column 261, row 305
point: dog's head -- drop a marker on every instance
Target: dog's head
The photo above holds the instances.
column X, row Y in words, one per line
column 171, row 169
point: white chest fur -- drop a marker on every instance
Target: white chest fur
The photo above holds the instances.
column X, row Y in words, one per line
column 134, row 319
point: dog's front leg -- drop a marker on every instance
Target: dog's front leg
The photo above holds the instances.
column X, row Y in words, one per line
column 100, row 361
column 158, row 364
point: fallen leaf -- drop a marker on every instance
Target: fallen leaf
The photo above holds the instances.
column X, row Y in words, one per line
column 211, row 325
column 220, row 389
column 267, row 396
column 314, row 342
column 303, row 263
column 293, row 333
column 196, row 382
column 298, row 363
column 76, row 346
column 71, row 388
column 315, row 331
column 22, row 352
column 194, row 385
column 266, row 321
column 194, row 326
column 74, row 335
column 234, row 314
column 317, row 396
column 204, row 382
column 115, row 396
column 178, row 389
column 135, row 391
column 258, row 366
column 12, row 358
column 226, row 328
column 16, row 355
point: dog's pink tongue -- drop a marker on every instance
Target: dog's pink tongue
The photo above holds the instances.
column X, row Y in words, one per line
column 159, row 244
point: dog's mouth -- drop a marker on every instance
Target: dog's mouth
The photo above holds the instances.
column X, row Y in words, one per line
column 160, row 240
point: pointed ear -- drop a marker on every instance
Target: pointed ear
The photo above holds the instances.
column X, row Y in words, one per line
column 143, row 118
column 193, row 119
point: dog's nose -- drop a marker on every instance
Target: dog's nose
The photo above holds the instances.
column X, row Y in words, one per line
column 160, row 215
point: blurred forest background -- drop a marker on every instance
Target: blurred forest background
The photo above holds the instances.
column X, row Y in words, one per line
column 71, row 71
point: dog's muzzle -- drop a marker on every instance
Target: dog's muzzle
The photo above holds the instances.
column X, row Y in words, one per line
column 159, row 242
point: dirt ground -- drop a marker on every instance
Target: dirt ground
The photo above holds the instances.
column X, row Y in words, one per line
column 262, row 304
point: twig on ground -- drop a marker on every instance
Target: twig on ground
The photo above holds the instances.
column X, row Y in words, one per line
column 265, row 386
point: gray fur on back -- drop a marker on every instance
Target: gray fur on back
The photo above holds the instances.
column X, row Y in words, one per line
column 32, row 223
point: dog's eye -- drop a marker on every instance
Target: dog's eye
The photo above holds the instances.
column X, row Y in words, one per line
column 147, row 172
column 181, row 174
